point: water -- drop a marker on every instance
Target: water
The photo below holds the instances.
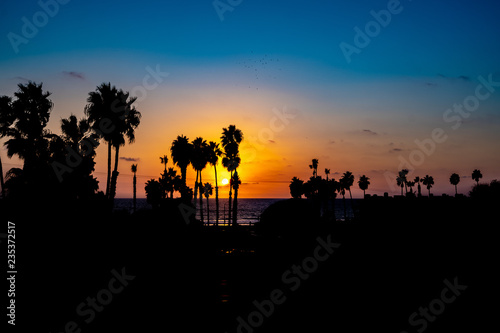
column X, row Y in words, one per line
column 249, row 210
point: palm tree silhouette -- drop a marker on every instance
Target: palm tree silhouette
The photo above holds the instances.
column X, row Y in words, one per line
column 402, row 180
column 181, row 151
column 199, row 160
column 214, row 153
column 164, row 161
column 348, row 179
column 363, row 184
column 454, row 180
column 476, row 175
column 314, row 167
column 230, row 140
column 171, row 182
column 410, row 185
column 235, row 183
column 428, row 181
column 133, row 168
column 341, row 189
column 153, row 193
column 6, row 120
column 417, row 180
column 327, row 172
column 207, row 192
column 296, row 188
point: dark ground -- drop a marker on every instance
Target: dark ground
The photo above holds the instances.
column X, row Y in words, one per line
column 390, row 262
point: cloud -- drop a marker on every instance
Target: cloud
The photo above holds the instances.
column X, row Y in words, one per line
column 395, row 150
column 75, row 75
column 367, row 131
column 331, row 142
column 20, row 78
column 271, row 141
column 460, row 77
column 129, row 159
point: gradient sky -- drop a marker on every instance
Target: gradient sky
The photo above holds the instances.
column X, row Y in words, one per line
column 269, row 58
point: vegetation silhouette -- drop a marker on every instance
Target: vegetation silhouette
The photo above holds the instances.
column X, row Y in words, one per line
column 133, row 168
column 230, row 140
column 454, row 180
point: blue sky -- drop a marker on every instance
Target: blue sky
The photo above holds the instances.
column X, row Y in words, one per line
column 267, row 54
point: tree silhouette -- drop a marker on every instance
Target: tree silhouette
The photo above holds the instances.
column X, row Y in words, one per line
column 363, row 184
column 417, row 180
column 235, row 184
column 164, row 161
column 410, row 185
column 6, row 120
column 327, row 172
column 181, row 151
column 454, row 180
column 199, row 160
column 296, row 188
column 348, row 181
column 428, row 181
column 214, row 153
column 476, row 175
column 341, row 189
column 314, row 167
column 401, row 180
column 153, row 193
column 230, row 140
column 133, row 168
column 207, row 192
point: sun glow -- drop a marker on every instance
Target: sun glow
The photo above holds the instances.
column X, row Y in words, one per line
column 225, row 181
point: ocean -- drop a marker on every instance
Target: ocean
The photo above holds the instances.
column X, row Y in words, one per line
column 249, row 210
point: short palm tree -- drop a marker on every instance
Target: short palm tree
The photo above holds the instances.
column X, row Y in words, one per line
column 454, row 180
column 153, row 193
column 296, row 188
column 133, row 168
column 327, row 172
column 314, row 166
column 214, row 153
column 428, row 181
column 476, row 175
column 348, row 179
column 181, row 151
column 363, row 184
column 417, row 180
column 164, row 160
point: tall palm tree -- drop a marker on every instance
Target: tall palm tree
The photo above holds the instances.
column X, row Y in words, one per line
column 314, row 166
column 454, row 180
column 99, row 111
column 327, row 172
column 207, row 192
column 476, row 175
column 428, row 181
column 363, row 184
column 231, row 139
column 6, row 120
column 235, row 183
column 164, row 161
column 199, row 160
column 181, row 151
column 133, row 168
column 214, row 153
column 348, row 179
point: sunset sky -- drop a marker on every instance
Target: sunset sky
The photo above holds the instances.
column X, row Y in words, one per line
column 279, row 71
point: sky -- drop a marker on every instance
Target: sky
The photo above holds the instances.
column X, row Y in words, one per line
column 369, row 87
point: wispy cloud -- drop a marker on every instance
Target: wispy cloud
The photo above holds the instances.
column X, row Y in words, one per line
column 370, row 132
column 129, row 159
column 75, row 75
column 20, row 78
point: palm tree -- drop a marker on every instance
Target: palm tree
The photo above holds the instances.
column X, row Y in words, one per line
column 153, row 193
column 231, row 139
column 348, row 179
column 6, row 120
column 181, row 151
column 341, row 189
column 454, row 180
column 199, row 160
column 428, row 181
column 327, row 172
column 214, row 153
column 133, row 168
column 171, row 182
column 410, row 185
column 417, row 180
column 363, row 184
column 207, row 192
column 314, row 167
column 164, row 161
column 99, row 111
column 402, row 180
column 296, row 188
column 476, row 175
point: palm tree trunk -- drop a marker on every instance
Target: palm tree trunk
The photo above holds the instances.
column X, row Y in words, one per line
column 2, row 183
column 201, row 198
column 114, row 177
column 135, row 191
column 195, row 196
column 345, row 209
column 230, row 199
column 216, row 198
column 108, row 179
column 208, row 212
column 235, row 207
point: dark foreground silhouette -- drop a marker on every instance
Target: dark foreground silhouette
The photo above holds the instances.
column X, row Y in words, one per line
column 175, row 276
